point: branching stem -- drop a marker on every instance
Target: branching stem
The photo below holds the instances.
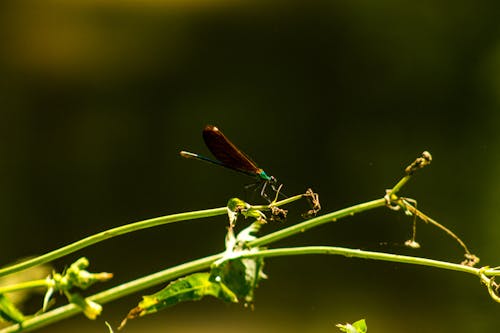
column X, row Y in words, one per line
column 391, row 199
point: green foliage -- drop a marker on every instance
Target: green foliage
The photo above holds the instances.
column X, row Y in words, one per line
column 357, row 327
column 236, row 206
column 241, row 276
column 230, row 279
column 76, row 277
column 90, row 309
column 190, row 288
column 236, row 273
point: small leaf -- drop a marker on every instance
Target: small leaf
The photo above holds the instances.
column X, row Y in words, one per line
column 8, row 311
column 77, row 276
column 347, row 328
column 357, row 327
column 190, row 288
column 254, row 213
column 234, row 207
column 90, row 308
column 242, row 276
column 235, row 204
column 249, row 233
column 360, row 326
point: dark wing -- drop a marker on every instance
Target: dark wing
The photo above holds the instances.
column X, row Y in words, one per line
column 226, row 152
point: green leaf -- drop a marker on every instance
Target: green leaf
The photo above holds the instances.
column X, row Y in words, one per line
column 190, row 288
column 237, row 206
column 249, row 233
column 254, row 213
column 357, row 327
column 242, row 276
column 360, row 326
column 77, row 276
column 8, row 311
column 90, row 308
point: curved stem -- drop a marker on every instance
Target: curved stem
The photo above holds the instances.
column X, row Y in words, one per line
column 314, row 222
column 99, row 237
column 203, row 263
column 356, row 253
column 110, row 233
column 122, row 290
column 186, row 268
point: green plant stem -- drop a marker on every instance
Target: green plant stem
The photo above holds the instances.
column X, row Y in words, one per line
column 402, row 182
column 203, row 263
column 173, row 272
column 122, row 290
column 186, row 268
column 356, row 253
column 25, row 285
column 279, row 203
column 302, row 227
column 110, row 234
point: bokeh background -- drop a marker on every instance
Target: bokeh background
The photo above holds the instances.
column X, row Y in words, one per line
column 98, row 97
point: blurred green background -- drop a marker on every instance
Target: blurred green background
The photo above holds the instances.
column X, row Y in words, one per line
column 98, row 97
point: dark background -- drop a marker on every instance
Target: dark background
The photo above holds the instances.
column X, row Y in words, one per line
column 98, row 97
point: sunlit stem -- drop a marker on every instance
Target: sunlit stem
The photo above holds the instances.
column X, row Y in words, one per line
column 110, row 233
column 314, row 222
column 25, row 285
column 356, row 253
column 402, row 182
